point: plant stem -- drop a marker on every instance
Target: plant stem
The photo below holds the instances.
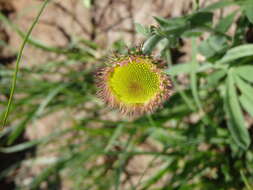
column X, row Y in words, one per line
column 14, row 81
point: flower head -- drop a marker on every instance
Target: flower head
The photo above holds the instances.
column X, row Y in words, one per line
column 133, row 84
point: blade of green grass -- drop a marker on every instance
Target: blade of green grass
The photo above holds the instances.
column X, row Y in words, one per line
column 13, row 86
column 116, row 134
column 187, row 100
column 47, row 100
column 163, row 170
column 248, row 186
column 29, row 144
column 30, row 40
column 122, row 161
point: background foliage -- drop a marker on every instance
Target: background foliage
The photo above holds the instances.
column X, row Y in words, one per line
column 200, row 139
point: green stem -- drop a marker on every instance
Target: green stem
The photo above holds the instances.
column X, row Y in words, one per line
column 185, row 98
column 193, row 75
column 117, row 132
column 14, row 81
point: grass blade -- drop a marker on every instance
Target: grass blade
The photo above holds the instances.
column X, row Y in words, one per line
column 13, row 86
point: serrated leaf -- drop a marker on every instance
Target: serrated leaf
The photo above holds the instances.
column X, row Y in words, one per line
column 236, row 123
column 245, row 72
column 237, row 52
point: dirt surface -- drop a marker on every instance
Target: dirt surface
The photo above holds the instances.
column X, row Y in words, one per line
column 65, row 21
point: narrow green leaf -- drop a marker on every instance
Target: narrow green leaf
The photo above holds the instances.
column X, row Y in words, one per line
column 247, row 104
column 13, row 86
column 237, row 52
column 31, row 40
column 214, row 78
column 185, row 68
column 248, row 8
column 167, row 137
column 172, row 28
column 47, row 172
column 244, row 87
column 20, row 128
column 218, row 5
column 117, row 132
column 246, row 98
column 122, row 162
column 29, row 144
column 225, row 23
column 19, row 147
column 200, row 18
column 48, row 99
column 157, row 176
column 170, row 23
column 193, row 75
column 184, row 96
column 236, row 123
column 246, row 181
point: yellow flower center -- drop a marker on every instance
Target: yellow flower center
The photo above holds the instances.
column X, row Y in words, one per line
column 135, row 82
